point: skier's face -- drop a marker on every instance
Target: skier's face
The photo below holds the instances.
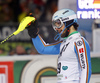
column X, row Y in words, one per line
column 59, row 30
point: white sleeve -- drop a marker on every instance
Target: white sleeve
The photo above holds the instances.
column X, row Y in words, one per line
column 83, row 53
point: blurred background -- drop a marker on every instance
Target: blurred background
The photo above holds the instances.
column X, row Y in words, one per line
column 13, row 11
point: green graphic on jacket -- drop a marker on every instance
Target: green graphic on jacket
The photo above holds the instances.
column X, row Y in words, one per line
column 64, row 67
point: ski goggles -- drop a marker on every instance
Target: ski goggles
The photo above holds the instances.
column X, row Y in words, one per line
column 57, row 23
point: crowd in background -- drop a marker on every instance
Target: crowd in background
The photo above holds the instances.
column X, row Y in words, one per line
column 19, row 50
column 13, row 11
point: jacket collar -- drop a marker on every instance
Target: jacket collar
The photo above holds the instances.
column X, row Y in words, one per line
column 73, row 35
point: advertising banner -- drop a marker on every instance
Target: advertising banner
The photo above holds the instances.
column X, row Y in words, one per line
column 88, row 9
column 6, row 72
column 37, row 69
column 18, row 69
column 28, row 71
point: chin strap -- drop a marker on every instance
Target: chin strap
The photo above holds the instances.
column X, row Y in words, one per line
column 59, row 34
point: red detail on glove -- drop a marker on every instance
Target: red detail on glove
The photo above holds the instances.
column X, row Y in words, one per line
column 30, row 23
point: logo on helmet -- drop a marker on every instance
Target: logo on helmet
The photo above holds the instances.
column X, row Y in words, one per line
column 55, row 16
column 65, row 19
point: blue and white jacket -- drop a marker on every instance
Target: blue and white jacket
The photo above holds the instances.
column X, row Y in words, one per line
column 74, row 62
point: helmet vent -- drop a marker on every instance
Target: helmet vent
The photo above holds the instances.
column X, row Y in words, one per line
column 65, row 12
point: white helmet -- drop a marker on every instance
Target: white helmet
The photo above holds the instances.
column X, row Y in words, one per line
column 61, row 16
